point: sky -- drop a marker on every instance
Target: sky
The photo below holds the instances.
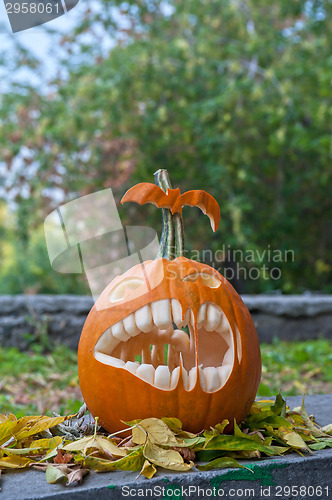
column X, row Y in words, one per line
column 36, row 39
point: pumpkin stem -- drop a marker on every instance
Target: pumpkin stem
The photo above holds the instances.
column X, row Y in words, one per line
column 166, row 249
column 167, row 234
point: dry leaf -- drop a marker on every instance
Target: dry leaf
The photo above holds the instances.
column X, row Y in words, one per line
column 132, row 462
column 76, row 476
column 168, row 459
column 62, row 458
column 156, row 431
column 187, row 453
column 148, row 470
column 100, row 442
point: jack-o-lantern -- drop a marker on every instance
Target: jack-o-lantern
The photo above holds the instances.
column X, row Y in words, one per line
column 170, row 337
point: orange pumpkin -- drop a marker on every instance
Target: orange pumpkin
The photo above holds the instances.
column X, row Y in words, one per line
column 137, row 359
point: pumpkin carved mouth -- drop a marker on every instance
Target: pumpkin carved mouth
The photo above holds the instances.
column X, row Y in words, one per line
column 160, row 346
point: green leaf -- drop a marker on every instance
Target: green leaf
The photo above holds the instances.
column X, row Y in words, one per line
column 221, row 463
column 279, row 407
column 132, row 462
column 55, row 475
column 234, row 443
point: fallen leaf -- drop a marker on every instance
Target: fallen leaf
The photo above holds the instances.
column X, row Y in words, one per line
column 187, row 454
column 62, row 458
column 132, row 462
column 40, row 425
column 55, row 475
column 168, row 459
column 148, row 470
column 15, row 462
column 221, row 463
column 155, row 430
column 36, row 447
column 76, row 476
column 327, row 429
column 99, row 442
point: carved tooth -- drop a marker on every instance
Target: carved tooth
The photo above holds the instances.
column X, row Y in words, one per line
column 175, row 377
column 188, row 318
column 161, row 312
column 130, row 325
column 107, row 343
column 146, row 373
column 201, row 316
column 212, row 380
column 162, row 377
column 143, row 319
column 228, row 357
column 119, row 332
column 109, row 360
column 180, row 340
column 192, row 378
column 224, row 371
column 224, row 324
column 177, row 313
column 131, row 366
column 213, row 317
column 202, row 378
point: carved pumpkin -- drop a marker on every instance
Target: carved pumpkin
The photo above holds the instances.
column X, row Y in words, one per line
column 137, row 359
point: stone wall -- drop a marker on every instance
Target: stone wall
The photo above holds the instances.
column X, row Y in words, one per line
column 60, row 318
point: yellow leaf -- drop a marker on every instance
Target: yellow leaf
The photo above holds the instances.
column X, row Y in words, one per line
column 40, row 444
column 15, row 462
column 168, row 459
column 6, row 430
column 132, row 462
column 101, row 443
column 148, row 470
column 175, row 426
column 39, row 425
column 294, row 440
column 156, row 431
column 327, row 429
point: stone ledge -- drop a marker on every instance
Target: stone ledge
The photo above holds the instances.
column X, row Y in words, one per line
column 287, row 317
column 291, row 470
column 293, row 306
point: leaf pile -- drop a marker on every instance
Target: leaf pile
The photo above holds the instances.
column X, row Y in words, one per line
column 58, row 444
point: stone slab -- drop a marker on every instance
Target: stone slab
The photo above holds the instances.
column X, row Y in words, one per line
column 288, row 317
column 271, row 478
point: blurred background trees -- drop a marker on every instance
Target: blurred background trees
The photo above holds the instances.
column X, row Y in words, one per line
column 234, row 97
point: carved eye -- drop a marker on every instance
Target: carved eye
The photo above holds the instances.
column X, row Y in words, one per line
column 125, row 287
column 206, row 279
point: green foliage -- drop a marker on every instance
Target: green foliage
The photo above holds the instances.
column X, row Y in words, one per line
column 231, row 98
column 296, row 367
column 35, row 381
column 25, row 265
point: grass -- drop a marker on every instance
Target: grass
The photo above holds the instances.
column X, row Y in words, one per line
column 36, row 383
